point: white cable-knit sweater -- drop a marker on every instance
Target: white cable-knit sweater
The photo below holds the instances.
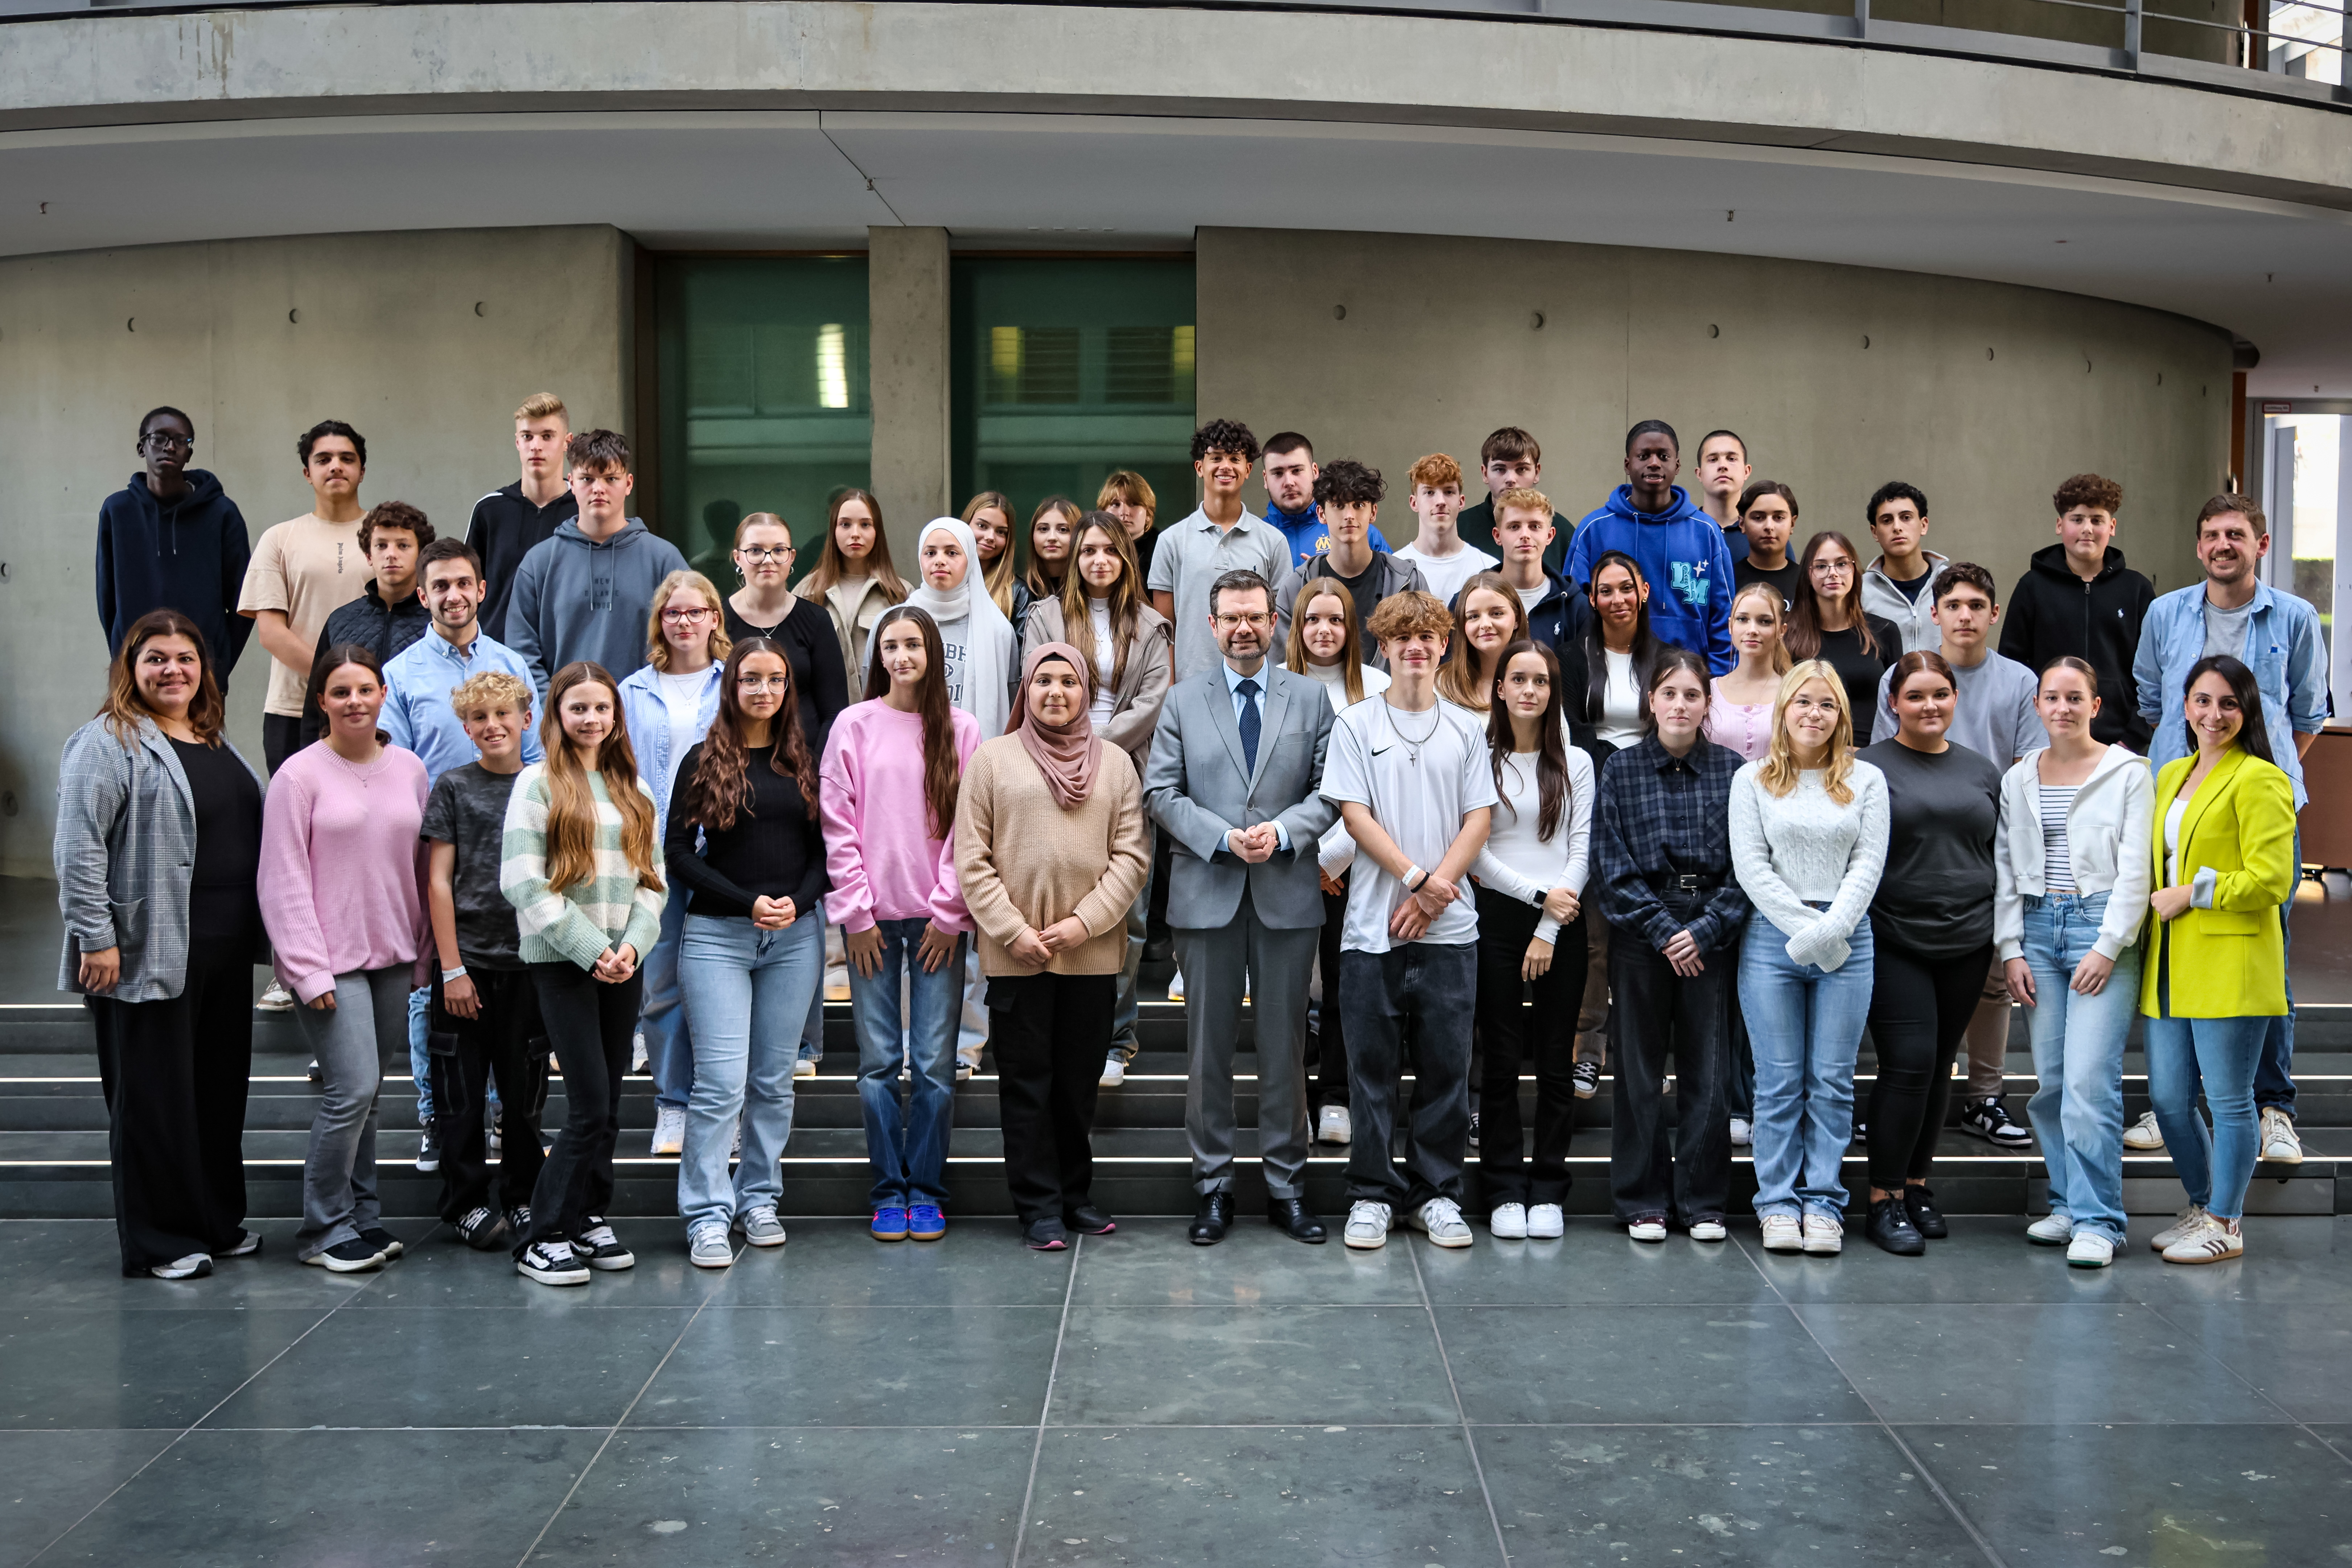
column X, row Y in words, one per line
column 1803, row 849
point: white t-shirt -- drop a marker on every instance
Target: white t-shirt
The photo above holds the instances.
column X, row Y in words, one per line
column 1446, row 574
column 1621, row 702
column 1106, row 696
column 1420, row 774
column 1530, row 598
column 681, row 697
column 1334, row 679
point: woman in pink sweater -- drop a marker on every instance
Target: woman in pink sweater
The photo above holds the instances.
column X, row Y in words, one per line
column 341, row 876
column 887, row 794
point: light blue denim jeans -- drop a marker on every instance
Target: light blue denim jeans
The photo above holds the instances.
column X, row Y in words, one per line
column 2078, row 1056
column 1804, row 1027
column 909, row 1147
column 669, row 1052
column 2221, row 1054
column 420, row 1059
column 746, row 997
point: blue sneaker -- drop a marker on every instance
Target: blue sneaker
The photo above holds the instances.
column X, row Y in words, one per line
column 891, row 1225
column 925, row 1223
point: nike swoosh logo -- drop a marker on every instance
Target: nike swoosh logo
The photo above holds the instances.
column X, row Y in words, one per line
column 1383, row 751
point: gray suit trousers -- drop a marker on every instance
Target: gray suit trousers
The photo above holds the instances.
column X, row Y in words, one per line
column 1273, row 965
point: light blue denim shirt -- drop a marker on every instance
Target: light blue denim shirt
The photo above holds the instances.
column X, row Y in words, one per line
column 2282, row 648
column 417, row 713
column 648, row 721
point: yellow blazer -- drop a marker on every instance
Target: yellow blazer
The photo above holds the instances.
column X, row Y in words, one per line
column 2227, row 955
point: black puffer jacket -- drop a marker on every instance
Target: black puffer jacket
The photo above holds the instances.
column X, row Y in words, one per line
column 2052, row 613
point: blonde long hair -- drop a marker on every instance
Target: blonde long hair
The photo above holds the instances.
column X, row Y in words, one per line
column 657, row 645
column 998, row 575
column 1351, row 650
column 1779, row 608
column 571, row 804
column 1125, row 598
column 1778, row 774
column 1458, row 681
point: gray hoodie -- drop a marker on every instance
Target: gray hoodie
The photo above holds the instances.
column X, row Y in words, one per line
column 1911, row 616
column 575, row 599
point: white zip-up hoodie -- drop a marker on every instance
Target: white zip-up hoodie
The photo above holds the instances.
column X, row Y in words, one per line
column 2108, row 844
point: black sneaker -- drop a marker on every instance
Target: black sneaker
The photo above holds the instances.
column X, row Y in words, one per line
column 347, row 1257
column 1473, row 1130
column 428, row 1146
column 1890, row 1225
column 1045, row 1235
column 518, row 1219
column 552, row 1263
column 1988, row 1119
column 383, row 1241
column 494, row 1140
column 600, row 1249
column 1925, row 1217
column 482, row 1228
column 314, row 1073
column 1588, row 1079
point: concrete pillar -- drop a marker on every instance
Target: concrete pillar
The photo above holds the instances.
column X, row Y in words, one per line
column 907, row 284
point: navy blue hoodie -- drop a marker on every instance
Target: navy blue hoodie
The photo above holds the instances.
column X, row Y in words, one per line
column 187, row 555
column 1683, row 553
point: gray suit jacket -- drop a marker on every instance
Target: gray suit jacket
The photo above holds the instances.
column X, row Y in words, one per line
column 1195, row 787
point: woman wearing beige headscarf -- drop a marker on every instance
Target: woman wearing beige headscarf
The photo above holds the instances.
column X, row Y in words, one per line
column 1052, row 920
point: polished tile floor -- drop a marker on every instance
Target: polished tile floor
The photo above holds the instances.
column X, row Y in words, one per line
column 1141, row 1401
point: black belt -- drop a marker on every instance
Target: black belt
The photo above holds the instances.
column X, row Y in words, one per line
column 1686, row 882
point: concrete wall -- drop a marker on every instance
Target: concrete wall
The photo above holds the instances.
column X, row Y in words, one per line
column 908, row 346
column 388, row 337
column 1983, row 395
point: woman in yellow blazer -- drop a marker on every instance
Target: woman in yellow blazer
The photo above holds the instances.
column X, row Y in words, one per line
column 2224, row 849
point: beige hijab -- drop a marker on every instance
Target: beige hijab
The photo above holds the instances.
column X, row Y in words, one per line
column 1068, row 756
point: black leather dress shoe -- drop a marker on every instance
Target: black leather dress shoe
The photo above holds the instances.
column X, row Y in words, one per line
column 1925, row 1217
column 1295, row 1220
column 1088, row 1220
column 1216, row 1217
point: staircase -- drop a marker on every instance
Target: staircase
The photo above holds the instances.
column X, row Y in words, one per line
column 53, row 1137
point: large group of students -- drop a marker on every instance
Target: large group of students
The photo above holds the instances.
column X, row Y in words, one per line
column 1664, row 792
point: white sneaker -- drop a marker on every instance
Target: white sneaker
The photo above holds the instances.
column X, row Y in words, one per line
column 1545, row 1223
column 2184, row 1222
column 2280, row 1145
column 1707, row 1230
column 2213, row 1241
column 276, row 999
column 1739, row 1132
column 2143, row 1134
column 1333, row 1126
column 1647, row 1230
column 1784, row 1234
column 1113, row 1072
column 1824, row 1235
column 804, row 1067
column 2090, row 1250
column 1368, row 1225
column 1507, row 1222
column 1176, row 986
column 637, row 1056
column 761, row 1227
column 194, row 1266
column 2050, row 1230
column 1440, row 1219
column 669, row 1129
column 706, row 1246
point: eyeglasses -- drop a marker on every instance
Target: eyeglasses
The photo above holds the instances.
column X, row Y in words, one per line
column 1832, row 568
column 763, row 682
column 168, row 441
column 684, row 618
column 1260, row 621
column 1813, row 704
column 766, row 552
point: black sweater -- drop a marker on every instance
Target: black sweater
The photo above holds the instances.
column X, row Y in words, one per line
column 386, row 629
column 2052, row 613
column 811, row 648
column 774, row 849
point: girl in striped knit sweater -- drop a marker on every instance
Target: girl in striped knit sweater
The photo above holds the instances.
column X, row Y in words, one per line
column 581, row 865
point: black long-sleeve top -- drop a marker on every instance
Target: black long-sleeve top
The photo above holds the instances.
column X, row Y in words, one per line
column 774, row 849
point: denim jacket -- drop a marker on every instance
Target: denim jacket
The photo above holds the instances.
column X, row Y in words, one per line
column 2282, row 648
column 649, row 720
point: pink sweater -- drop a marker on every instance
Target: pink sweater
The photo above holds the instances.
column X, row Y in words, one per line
column 343, row 867
column 878, row 848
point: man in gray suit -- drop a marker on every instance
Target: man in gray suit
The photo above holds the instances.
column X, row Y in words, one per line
column 1235, row 768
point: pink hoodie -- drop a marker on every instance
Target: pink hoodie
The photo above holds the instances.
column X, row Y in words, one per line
column 343, row 867
column 878, row 848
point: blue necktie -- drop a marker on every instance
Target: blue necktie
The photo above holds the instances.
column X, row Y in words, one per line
column 1249, row 718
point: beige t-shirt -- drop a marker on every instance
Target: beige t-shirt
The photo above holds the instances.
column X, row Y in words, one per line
column 309, row 568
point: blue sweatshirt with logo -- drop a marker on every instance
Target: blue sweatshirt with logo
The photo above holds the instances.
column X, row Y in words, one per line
column 1683, row 553
column 1308, row 538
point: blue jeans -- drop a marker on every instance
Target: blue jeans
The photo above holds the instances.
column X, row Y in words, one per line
column 746, row 997
column 670, row 1051
column 908, row 1148
column 2275, row 1075
column 420, row 1055
column 1805, row 1029
column 2078, row 1056
column 2221, row 1054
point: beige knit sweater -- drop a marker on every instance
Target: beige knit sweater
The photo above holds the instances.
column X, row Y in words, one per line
column 1025, row 863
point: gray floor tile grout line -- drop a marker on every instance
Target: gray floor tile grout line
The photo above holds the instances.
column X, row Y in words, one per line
column 1919, row 1466
column 1046, row 1405
column 1469, row 1439
column 2299, row 1424
column 618, row 1422
column 181, row 1435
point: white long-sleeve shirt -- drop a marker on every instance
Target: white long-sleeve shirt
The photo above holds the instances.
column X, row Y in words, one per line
column 1517, row 861
column 1792, row 851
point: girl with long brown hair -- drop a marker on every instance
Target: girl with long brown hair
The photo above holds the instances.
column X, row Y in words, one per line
column 1828, row 623
column 853, row 581
column 1487, row 619
column 1053, row 539
column 989, row 515
column 742, row 839
column 158, row 841
column 890, row 779
column 581, row 867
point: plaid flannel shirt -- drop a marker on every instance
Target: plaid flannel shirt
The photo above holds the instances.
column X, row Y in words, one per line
column 1656, row 817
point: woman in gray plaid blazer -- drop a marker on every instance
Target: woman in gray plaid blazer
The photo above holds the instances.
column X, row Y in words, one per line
column 159, row 836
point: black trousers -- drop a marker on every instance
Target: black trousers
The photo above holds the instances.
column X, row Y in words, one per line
column 1655, row 1012
column 281, row 737
column 1919, row 1013
column 1049, row 1032
column 174, row 1075
column 1419, row 999
column 589, row 1025
column 1328, row 1047
column 505, row 1043
column 1514, row 1035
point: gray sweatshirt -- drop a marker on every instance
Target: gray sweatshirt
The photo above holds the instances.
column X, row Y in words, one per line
column 575, row 599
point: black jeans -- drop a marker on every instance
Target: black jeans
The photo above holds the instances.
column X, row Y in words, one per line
column 505, row 1042
column 1049, row 1032
column 1329, row 1043
column 281, row 737
column 175, row 1074
column 590, row 1025
column 1542, row 1035
column 1656, row 1012
column 1919, row 1013
column 1431, row 989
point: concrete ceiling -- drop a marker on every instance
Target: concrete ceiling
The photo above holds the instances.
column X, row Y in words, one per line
column 2276, row 273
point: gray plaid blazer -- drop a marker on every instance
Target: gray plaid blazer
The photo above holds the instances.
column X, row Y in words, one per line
column 125, row 853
